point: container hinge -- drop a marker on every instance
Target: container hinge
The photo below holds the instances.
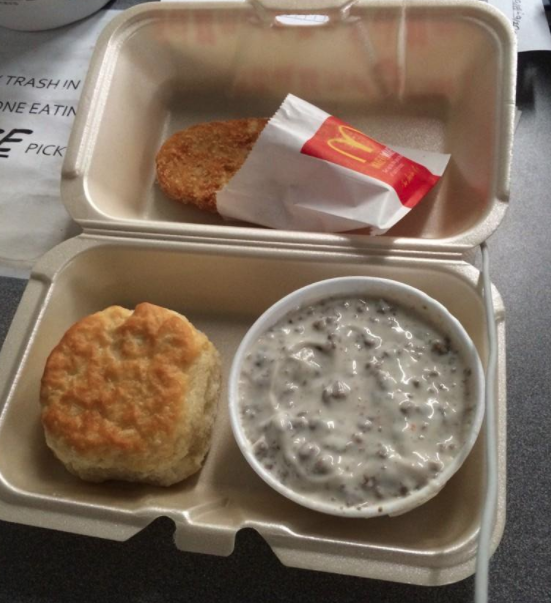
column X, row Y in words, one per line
column 340, row 247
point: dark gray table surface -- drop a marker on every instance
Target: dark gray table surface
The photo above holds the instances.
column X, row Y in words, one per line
column 38, row 565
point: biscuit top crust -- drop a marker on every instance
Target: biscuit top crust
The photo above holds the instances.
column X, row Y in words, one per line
column 117, row 380
column 193, row 164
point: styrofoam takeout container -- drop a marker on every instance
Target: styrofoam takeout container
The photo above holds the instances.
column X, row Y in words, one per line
column 368, row 287
column 434, row 74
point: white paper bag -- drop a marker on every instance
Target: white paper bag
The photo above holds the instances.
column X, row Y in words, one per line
column 311, row 171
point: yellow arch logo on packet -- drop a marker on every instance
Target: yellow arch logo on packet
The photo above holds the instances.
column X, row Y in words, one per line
column 350, row 141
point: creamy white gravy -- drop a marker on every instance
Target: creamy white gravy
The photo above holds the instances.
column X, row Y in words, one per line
column 355, row 401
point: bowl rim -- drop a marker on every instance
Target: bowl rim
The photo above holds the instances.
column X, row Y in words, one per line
column 340, row 287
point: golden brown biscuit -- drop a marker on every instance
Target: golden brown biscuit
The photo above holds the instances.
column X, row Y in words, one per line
column 131, row 396
column 192, row 165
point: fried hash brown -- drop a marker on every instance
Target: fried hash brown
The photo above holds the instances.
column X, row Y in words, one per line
column 193, row 164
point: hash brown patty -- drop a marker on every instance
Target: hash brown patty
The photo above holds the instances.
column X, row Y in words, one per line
column 193, row 164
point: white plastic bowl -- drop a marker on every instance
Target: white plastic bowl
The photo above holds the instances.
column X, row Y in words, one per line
column 436, row 313
column 39, row 15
